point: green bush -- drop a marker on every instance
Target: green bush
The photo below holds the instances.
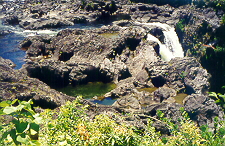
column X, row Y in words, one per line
column 72, row 127
column 24, row 126
column 69, row 125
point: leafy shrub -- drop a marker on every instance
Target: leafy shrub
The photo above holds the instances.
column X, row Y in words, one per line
column 72, row 127
column 24, row 126
column 217, row 138
column 69, row 125
column 219, row 99
column 185, row 133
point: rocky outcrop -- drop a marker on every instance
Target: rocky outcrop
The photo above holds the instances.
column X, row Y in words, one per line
column 145, row 83
column 193, row 25
column 14, row 84
column 47, row 14
column 76, row 57
column 202, row 109
column 174, row 3
column 182, row 74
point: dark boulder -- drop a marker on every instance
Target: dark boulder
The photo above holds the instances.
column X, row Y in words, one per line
column 11, row 20
column 181, row 74
column 202, row 109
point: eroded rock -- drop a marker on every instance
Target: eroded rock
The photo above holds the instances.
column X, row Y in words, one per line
column 14, row 84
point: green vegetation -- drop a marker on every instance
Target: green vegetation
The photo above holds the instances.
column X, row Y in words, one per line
column 24, row 126
column 214, row 62
column 69, row 125
column 219, row 98
column 180, row 26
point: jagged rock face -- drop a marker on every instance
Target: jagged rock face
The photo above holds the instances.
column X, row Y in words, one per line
column 202, row 109
column 80, row 56
column 181, row 74
column 193, row 25
column 49, row 14
column 76, row 57
column 14, row 84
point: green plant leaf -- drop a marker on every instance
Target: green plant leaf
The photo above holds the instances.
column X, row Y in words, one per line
column 1, row 112
column 4, row 103
column 222, row 131
column 33, row 132
column 23, row 140
column 36, row 143
column 14, row 101
column 22, row 127
column 19, row 107
column 4, row 135
column 164, row 140
column 27, row 106
column 38, row 118
column 34, row 127
column 218, row 101
column 222, row 97
column 13, row 136
column 213, row 94
column 50, row 126
column 160, row 114
column 9, row 109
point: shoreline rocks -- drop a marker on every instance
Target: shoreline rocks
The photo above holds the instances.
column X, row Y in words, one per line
column 14, row 84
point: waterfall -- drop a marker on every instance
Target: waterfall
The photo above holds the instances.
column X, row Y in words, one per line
column 171, row 46
column 165, row 53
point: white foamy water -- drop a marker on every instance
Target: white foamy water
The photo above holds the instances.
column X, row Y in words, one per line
column 27, row 33
column 171, row 46
column 165, row 53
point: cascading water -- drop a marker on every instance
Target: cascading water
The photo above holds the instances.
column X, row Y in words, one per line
column 171, row 46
